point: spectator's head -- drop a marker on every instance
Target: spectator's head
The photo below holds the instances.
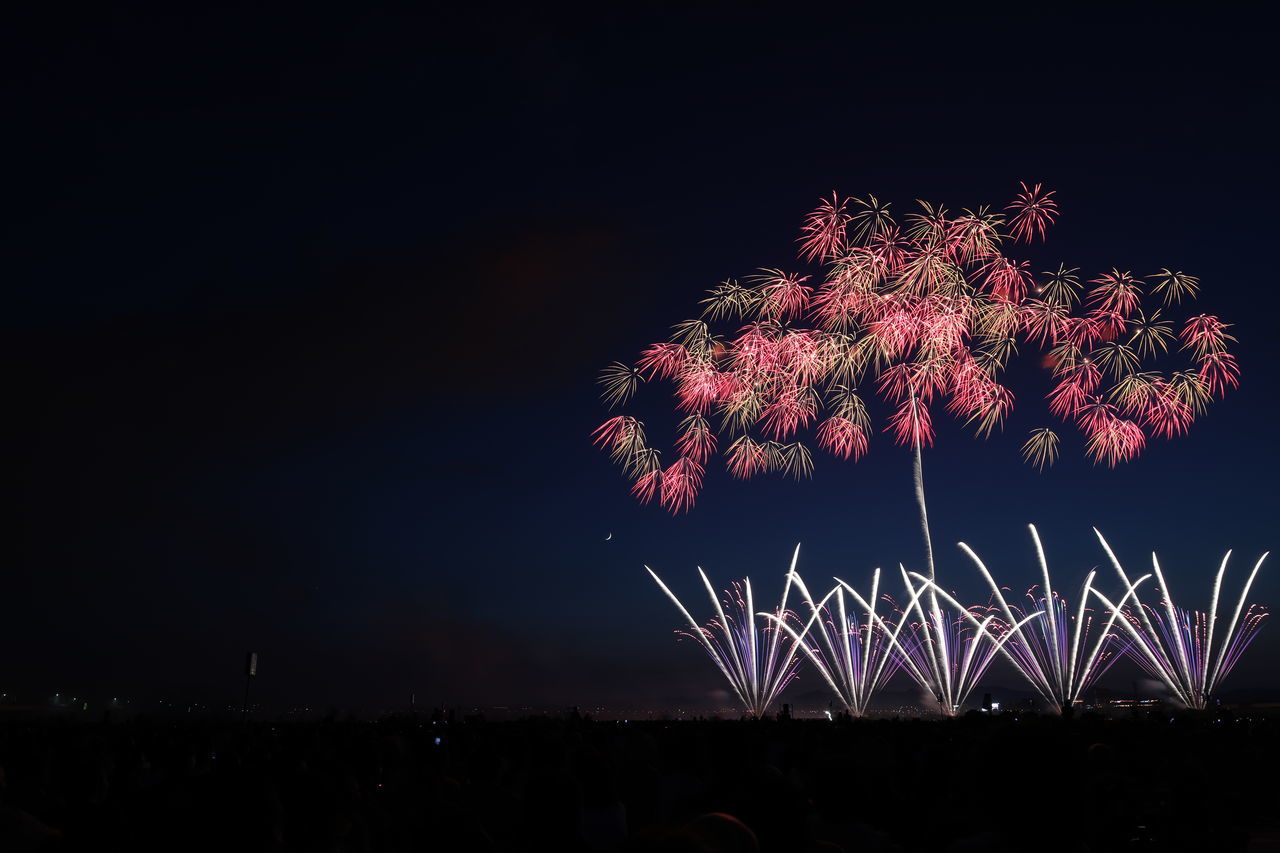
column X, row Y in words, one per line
column 722, row 833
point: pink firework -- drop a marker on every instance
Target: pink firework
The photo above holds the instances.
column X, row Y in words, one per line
column 1034, row 210
column 924, row 314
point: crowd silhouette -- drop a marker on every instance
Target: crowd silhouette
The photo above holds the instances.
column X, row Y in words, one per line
column 415, row 783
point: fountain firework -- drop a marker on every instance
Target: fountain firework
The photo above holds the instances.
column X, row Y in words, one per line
column 946, row 653
column 1177, row 646
column 1056, row 655
column 852, row 654
column 747, row 653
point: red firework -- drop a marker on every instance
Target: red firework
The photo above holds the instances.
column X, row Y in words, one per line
column 927, row 312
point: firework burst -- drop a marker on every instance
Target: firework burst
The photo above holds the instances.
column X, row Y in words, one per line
column 750, row 654
column 1177, row 646
column 928, row 312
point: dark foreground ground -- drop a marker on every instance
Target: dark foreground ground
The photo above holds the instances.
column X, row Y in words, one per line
column 991, row 783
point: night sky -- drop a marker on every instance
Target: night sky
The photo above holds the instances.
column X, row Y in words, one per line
column 305, row 315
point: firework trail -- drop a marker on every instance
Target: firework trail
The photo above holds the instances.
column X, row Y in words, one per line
column 938, row 674
column 749, row 655
column 1056, row 655
column 1177, row 646
column 853, row 655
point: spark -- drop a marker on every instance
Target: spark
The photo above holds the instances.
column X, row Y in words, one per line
column 1045, row 320
column 783, row 295
column 1062, row 286
column 680, row 483
column 1034, row 210
column 1151, row 335
column 794, row 459
column 1117, row 292
column 623, row 436
column 1006, row 279
column 647, row 486
column 1174, row 286
column 747, row 458
column 729, row 299
column 911, row 423
column 1041, row 449
column 697, row 440
column 1111, row 439
column 874, row 224
column 1116, row 358
column 1218, row 372
column 842, row 437
column 976, row 234
column 619, row 382
column 1205, row 334
column 823, row 233
column 694, row 335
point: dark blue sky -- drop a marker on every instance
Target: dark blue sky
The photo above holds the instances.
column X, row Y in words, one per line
column 306, row 315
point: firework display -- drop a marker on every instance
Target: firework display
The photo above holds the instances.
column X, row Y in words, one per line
column 749, row 653
column 1177, row 646
column 945, row 652
column 914, row 314
column 852, row 653
column 923, row 312
column 945, row 647
column 1057, row 655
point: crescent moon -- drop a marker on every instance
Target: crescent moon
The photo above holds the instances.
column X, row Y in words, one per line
column 607, row 538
